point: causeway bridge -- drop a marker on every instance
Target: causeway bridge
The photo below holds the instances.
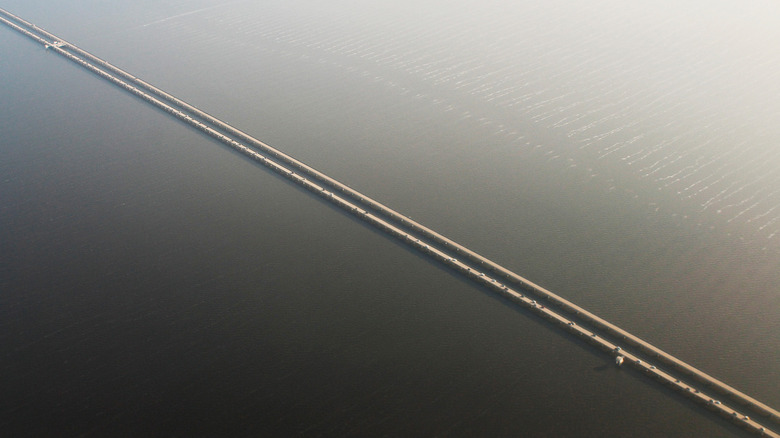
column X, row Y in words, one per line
column 646, row 358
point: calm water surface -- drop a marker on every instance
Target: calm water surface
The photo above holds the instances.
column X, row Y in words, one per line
column 154, row 283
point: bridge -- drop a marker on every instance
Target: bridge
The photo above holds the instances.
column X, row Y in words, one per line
column 648, row 359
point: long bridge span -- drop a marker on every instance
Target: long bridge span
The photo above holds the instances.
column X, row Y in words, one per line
column 635, row 352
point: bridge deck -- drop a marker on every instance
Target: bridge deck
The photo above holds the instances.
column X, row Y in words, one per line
column 598, row 332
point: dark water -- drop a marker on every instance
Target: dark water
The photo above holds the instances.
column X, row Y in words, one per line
column 153, row 282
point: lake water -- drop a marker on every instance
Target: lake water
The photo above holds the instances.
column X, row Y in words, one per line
column 155, row 283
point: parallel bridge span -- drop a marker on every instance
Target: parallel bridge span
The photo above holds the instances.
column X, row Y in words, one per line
column 595, row 330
